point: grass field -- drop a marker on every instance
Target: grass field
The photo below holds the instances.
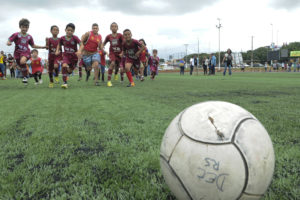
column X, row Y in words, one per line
column 90, row 142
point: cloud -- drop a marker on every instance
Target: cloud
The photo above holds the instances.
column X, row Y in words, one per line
column 130, row 7
column 285, row 4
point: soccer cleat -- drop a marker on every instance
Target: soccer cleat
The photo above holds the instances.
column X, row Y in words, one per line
column 116, row 77
column 64, row 86
column 131, row 84
column 51, row 85
column 56, row 80
column 109, row 84
column 97, row 84
column 142, row 78
column 25, row 81
column 41, row 81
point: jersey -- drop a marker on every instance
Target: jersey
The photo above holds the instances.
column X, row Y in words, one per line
column 131, row 49
column 52, row 45
column 70, row 44
column 22, row 43
column 143, row 56
column 92, row 42
column 115, row 43
column 154, row 62
column 36, row 65
column 1, row 59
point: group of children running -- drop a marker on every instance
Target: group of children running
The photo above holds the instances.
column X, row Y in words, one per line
column 125, row 54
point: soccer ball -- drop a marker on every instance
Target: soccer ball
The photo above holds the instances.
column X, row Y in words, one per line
column 217, row 150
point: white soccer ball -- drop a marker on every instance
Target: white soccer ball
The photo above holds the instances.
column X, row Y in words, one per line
column 217, row 150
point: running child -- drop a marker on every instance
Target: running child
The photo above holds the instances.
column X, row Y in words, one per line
column 90, row 43
column 11, row 65
column 22, row 41
column 36, row 66
column 70, row 59
column 53, row 60
column 154, row 62
column 115, row 39
column 143, row 59
column 102, row 64
column 132, row 49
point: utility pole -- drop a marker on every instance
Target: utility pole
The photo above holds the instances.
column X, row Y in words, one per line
column 272, row 34
column 277, row 38
column 219, row 27
column 198, row 62
column 186, row 48
column 251, row 51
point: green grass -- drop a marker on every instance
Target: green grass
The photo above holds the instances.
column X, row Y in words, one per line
column 92, row 142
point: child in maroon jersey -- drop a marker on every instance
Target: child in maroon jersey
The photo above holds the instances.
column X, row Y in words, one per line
column 53, row 60
column 143, row 59
column 70, row 59
column 132, row 49
column 115, row 49
column 22, row 41
column 154, row 62
column 36, row 66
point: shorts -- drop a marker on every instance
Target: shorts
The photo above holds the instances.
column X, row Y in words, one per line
column 18, row 56
column 2, row 68
column 54, row 60
column 89, row 59
column 71, row 60
column 135, row 62
column 114, row 57
column 153, row 69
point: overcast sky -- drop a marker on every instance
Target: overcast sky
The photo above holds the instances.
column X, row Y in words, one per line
column 165, row 25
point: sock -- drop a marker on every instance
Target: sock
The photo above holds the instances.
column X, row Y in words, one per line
column 122, row 76
column 56, row 72
column 51, row 76
column 116, row 70
column 102, row 77
column 24, row 70
column 65, row 74
column 109, row 74
column 80, row 72
column 35, row 77
column 88, row 73
column 40, row 75
column 129, row 76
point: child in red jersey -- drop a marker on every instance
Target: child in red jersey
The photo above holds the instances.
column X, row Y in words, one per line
column 70, row 59
column 132, row 49
column 154, row 62
column 53, row 60
column 36, row 66
column 22, row 41
column 90, row 43
column 115, row 49
column 143, row 59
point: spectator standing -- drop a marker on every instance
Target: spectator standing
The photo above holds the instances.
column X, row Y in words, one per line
column 2, row 67
column 181, row 65
column 192, row 64
column 228, row 58
column 213, row 63
column 11, row 65
column 266, row 66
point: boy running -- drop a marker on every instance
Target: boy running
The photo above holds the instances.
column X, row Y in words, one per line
column 144, row 60
column 115, row 49
column 36, row 66
column 90, row 43
column 132, row 49
column 102, row 64
column 70, row 59
column 154, row 62
column 53, row 60
column 22, row 41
